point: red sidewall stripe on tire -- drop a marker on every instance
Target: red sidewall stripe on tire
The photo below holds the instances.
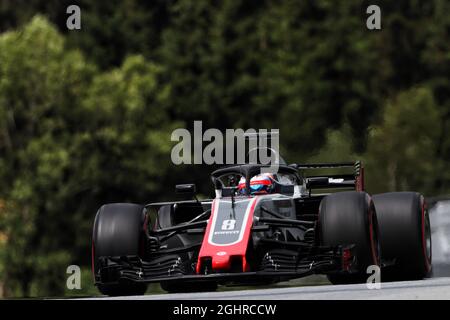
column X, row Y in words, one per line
column 373, row 246
column 424, row 241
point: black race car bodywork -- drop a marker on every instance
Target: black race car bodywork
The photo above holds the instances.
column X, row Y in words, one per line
column 247, row 238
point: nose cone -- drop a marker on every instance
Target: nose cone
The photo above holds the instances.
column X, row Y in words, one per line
column 229, row 263
column 221, row 261
column 226, row 237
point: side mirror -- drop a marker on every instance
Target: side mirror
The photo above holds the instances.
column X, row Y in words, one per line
column 317, row 182
column 188, row 189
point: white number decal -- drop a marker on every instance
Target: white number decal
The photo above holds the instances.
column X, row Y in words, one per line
column 228, row 224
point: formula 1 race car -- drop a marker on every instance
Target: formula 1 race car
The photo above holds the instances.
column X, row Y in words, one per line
column 247, row 237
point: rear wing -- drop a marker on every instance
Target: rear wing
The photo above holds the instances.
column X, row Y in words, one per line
column 353, row 180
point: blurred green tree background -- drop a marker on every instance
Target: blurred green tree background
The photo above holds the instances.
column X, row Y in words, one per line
column 86, row 116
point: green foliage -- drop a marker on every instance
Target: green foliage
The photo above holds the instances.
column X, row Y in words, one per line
column 283, row 65
column 40, row 84
column 52, row 158
column 402, row 150
column 338, row 147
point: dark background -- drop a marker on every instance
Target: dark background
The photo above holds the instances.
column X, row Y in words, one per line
column 86, row 115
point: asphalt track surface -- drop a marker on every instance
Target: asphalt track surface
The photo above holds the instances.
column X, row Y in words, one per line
column 429, row 289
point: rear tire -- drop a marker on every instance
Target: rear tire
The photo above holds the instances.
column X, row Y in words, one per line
column 405, row 235
column 347, row 218
column 118, row 231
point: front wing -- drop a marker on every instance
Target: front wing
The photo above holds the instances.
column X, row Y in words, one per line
column 170, row 268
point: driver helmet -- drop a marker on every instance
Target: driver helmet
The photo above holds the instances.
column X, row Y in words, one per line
column 263, row 183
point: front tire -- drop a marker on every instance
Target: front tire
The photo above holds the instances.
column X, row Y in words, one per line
column 405, row 235
column 118, row 231
column 347, row 218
